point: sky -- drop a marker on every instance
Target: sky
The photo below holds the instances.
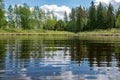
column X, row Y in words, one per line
column 60, row 6
column 70, row 3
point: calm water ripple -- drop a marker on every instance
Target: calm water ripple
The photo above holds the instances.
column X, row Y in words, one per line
column 59, row 59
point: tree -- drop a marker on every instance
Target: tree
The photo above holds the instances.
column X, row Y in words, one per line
column 72, row 23
column 110, row 17
column 66, row 20
column 118, row 21
column 100, row 16
column 38, row 15
column 17, row 19
column 24, row 13
column 118, row 12
column 71, row 26
column 11, row 17
column 65, row 17
column 60, row 25
column 92, row 17
column 73, row 15
column 50, row 21
column 77, row 19
column 80, row 19
column 2, row 14
column 50, row 24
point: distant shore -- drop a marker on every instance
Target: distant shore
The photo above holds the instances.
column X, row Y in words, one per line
column 100, row 34
column 33, row 32
column 110, row 33
column 38, row 34
column 64, row 34
column 96, row 33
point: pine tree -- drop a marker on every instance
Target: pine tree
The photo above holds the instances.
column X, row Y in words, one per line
column 100, row 16
column 79, row 19
column 72, row 23
column 73, row 15
column 118, row 21
column 92, row 17
column 118, row 18
column 65, row 17
column 118, row 12
column 110, row 17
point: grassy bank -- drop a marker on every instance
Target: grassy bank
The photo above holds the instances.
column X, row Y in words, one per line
column 96, row 33
column 110, row 32
column 33, row 32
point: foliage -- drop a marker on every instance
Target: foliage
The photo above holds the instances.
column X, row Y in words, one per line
column 80, row 19
column 60, row 25
column 92, row 17
column 100, row 16
column 118, row 21
column 2, row 14
column 50, row 24
column 110, row 17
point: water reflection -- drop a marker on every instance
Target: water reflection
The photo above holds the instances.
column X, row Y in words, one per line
column 54, row 59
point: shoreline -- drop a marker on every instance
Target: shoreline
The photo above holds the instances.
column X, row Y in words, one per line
column 37, row 34
column 65, row 34
column 100, row 34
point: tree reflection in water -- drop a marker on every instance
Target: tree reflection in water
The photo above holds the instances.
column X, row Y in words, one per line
column 58, row 58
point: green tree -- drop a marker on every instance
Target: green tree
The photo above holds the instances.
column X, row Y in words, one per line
column 72, row 23
column 118, row 21
column 118, row 12
column 110, row 17
column 2, row 14
column 60, row 25
column 71, row 26
column 100, row 16
column 11, row 17
column 17, row 16
column 49, row 21
column 38, row 16
column 80, row 19
column 65, row 17
column 24, row 13
column 50, row 24
column 73, row 15
column 92, row 17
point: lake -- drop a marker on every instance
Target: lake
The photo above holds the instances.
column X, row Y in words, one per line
column 58, row 58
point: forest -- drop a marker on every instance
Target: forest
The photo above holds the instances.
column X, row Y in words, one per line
column 79, row 20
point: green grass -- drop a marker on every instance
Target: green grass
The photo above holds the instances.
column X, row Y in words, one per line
column 33, row 31
column 13, row 30
column 108, row 32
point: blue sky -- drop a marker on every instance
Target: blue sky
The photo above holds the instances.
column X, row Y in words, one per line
column 58, row 7
column 69, row 3
column 31, row 3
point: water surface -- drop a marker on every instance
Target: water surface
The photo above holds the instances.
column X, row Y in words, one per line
column 72, row 58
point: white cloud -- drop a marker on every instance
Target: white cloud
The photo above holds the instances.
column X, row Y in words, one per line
column 57, row 10
column 115, row 3
column 108, row 1
column 103, row 1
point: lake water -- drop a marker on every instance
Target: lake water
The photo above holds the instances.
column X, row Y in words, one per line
column 41, row 58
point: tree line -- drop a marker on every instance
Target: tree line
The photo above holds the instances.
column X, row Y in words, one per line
column 80, row 19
